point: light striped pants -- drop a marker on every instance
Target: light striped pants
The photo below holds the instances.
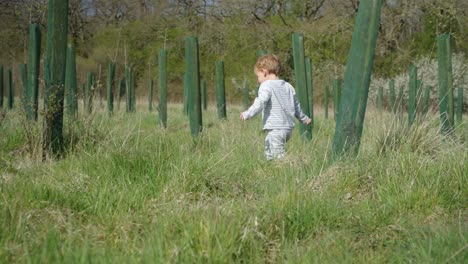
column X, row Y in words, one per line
column 275, row 143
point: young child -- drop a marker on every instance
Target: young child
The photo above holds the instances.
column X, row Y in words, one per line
column 279, row 103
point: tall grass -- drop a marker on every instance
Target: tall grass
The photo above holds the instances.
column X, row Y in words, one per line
column 129, row 191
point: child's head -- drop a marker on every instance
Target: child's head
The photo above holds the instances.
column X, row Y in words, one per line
column 267, row 64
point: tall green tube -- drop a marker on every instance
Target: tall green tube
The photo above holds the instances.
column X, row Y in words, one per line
column 150, row 95
column 460, row 104
column 352, row 107
column 119, row 92
column 128, row 89
column 110, row 87
column 245, row 96
column 1, row 86
column 90, row 83
column 23, row 83
column 99, row 88
column 133, row 90
column 70, row 80
column 412, row 86
column 11, row 90
column 391, row 87
column 84, row 95
column 444, row 60
column 204, row 95
column 54, row 72
column 162, row 88
column 192, row 64
column 380, row 98
column 220, row 89
column 261, row 53
column 32, row 92
column 310, row 90
column 336, row 97
column 186, row 97
column 325, row 98
column 427, row 92
column 400, row 103
column 301, row 81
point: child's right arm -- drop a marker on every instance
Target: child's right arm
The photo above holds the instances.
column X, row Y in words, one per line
column 264, row 95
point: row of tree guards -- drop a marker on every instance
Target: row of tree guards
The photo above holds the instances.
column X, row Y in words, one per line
column 349, row 96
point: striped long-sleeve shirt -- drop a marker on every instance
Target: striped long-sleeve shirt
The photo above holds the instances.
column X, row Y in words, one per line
column 277, row 99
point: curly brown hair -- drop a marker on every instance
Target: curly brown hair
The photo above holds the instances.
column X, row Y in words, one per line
column 270, row 63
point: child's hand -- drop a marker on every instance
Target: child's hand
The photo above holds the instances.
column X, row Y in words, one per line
column 242, row 116
column 308, row 121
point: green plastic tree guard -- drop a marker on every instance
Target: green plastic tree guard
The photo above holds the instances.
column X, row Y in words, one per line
column 391, row 87
column 110, row 87
column 162, row 88
column 119, row 92
column 128, row 89
column 54, row 72
column 84, row 96
column 460, row 104
column 427, row 92
column 220, row 89
column 310, row 90
column 192, row 64
column 245, row 96
column 400, row 103
column 412, row 86
column 325, row 98
column 150, row 95
column 11, row 90
column 301, row 81
column 380, row 99
column 90, row 83
column 23, row 83
column 32, row 91
column 133, row 90
column 336, row 97
column 261, row 53
column 444, row 60
column 204, row 95
column 186, row 97
column 352, row 107
column 1, row 86
column 70, row 80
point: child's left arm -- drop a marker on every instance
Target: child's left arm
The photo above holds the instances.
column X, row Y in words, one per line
column 298, row 112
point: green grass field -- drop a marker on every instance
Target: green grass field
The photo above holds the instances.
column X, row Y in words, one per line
column 128, row 191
